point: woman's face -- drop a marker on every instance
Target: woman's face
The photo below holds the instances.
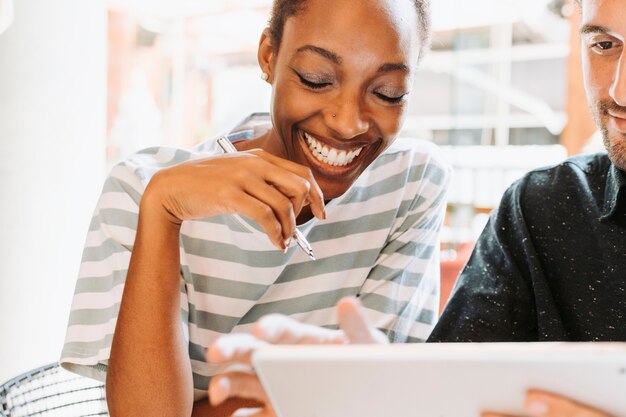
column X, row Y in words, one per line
column 341, row 80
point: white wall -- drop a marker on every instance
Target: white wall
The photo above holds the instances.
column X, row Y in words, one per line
column 52, row 139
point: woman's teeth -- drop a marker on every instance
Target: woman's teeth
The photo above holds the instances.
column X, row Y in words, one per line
column 331, row 156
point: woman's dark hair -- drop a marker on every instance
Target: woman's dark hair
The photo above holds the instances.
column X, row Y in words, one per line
column 284, row 9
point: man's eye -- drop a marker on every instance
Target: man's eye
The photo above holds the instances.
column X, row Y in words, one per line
column 604, row 45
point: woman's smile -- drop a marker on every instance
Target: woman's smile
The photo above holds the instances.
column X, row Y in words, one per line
column 330, row 157
column 328, row 154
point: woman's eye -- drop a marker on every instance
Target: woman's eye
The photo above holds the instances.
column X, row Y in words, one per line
column 314, row 84
column 389, row 99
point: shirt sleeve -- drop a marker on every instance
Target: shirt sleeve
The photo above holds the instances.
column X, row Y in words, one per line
column 401, row 292
column 102, row 274
column 493, row 299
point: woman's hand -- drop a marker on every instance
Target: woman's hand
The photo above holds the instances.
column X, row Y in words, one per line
column 279, row 329
column 265, row 188
column 545, row 404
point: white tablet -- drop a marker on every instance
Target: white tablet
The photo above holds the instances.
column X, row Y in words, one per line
column 438, row 380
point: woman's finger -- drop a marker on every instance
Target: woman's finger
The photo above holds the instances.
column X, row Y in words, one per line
column 315, row 197
column 256, row 412
column 280, row 329
column 264, row 215
column 235, row 347
column 282, row 205
column 237, row 385
column 294, row 187
column 354, row 323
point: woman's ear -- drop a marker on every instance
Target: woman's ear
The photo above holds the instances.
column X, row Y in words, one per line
column 266, row 55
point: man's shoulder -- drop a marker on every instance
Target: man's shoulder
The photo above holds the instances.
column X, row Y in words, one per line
column 580, row 170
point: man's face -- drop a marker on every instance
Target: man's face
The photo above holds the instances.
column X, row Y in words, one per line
column 340, row 85
column 603, row 33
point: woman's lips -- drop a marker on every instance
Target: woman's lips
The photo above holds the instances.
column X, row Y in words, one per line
column 329, row 155
column 329, row 158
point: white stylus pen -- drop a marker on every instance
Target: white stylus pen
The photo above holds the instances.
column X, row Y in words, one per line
column 228, row 147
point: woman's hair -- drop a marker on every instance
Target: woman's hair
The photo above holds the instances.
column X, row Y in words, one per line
column 284, row 9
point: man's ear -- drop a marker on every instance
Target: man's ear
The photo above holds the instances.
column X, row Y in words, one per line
column 266, row 55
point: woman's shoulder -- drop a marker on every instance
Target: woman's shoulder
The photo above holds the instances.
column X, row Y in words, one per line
column 414, row 153
column 144, row 164
column 418, row 148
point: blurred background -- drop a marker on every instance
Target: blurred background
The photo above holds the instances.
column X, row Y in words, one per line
column 85, row 83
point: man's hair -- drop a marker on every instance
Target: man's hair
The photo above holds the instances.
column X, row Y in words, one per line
column 284, row 9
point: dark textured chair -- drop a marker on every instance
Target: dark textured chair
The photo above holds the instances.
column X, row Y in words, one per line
column 51, row 391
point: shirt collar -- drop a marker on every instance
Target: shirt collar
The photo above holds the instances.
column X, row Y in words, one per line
column 252, row 126
column 615, row 193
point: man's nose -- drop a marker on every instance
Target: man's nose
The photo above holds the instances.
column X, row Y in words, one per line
column 618, row 87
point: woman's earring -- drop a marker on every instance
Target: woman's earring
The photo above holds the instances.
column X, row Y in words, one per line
column 265, row 76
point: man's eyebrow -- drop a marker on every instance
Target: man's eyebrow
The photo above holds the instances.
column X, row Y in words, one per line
column 593, row 29
column 394, row 67
column 323, row 52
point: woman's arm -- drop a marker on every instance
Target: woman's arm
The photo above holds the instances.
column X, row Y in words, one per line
column 149, row 371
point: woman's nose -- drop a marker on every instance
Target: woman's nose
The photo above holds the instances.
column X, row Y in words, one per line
column 347, row 118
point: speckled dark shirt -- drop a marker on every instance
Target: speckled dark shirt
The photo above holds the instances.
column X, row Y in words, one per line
column 550, row 264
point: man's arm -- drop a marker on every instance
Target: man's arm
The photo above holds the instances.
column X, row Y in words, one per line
column 546, row 404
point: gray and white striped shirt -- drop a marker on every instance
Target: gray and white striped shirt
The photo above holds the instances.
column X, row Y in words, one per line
column 380, row 241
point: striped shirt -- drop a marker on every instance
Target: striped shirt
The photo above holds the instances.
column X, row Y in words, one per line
column 380, row 242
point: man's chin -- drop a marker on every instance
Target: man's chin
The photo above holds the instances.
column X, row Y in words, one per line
column 616, row 147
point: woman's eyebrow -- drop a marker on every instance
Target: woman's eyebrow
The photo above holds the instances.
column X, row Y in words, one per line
column 321, row 51
column 333, row 57
column 394, row 67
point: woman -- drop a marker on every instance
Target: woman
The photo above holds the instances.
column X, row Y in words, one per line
column 198, row 221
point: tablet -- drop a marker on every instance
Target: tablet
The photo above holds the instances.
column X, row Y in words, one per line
column 438, row 380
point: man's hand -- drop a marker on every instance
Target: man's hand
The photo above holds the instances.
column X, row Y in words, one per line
column 545, row 404
column 279, row 329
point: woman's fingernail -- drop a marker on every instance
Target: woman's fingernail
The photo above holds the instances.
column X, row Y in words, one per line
column 537, row 408
column 287, row 243
column 219, row 391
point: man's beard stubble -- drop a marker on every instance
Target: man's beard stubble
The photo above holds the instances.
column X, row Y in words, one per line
column 616, row 145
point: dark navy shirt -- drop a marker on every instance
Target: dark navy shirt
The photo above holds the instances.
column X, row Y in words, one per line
column 551, row 262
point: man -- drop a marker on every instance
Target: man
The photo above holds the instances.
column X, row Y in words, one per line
column 551, row 263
